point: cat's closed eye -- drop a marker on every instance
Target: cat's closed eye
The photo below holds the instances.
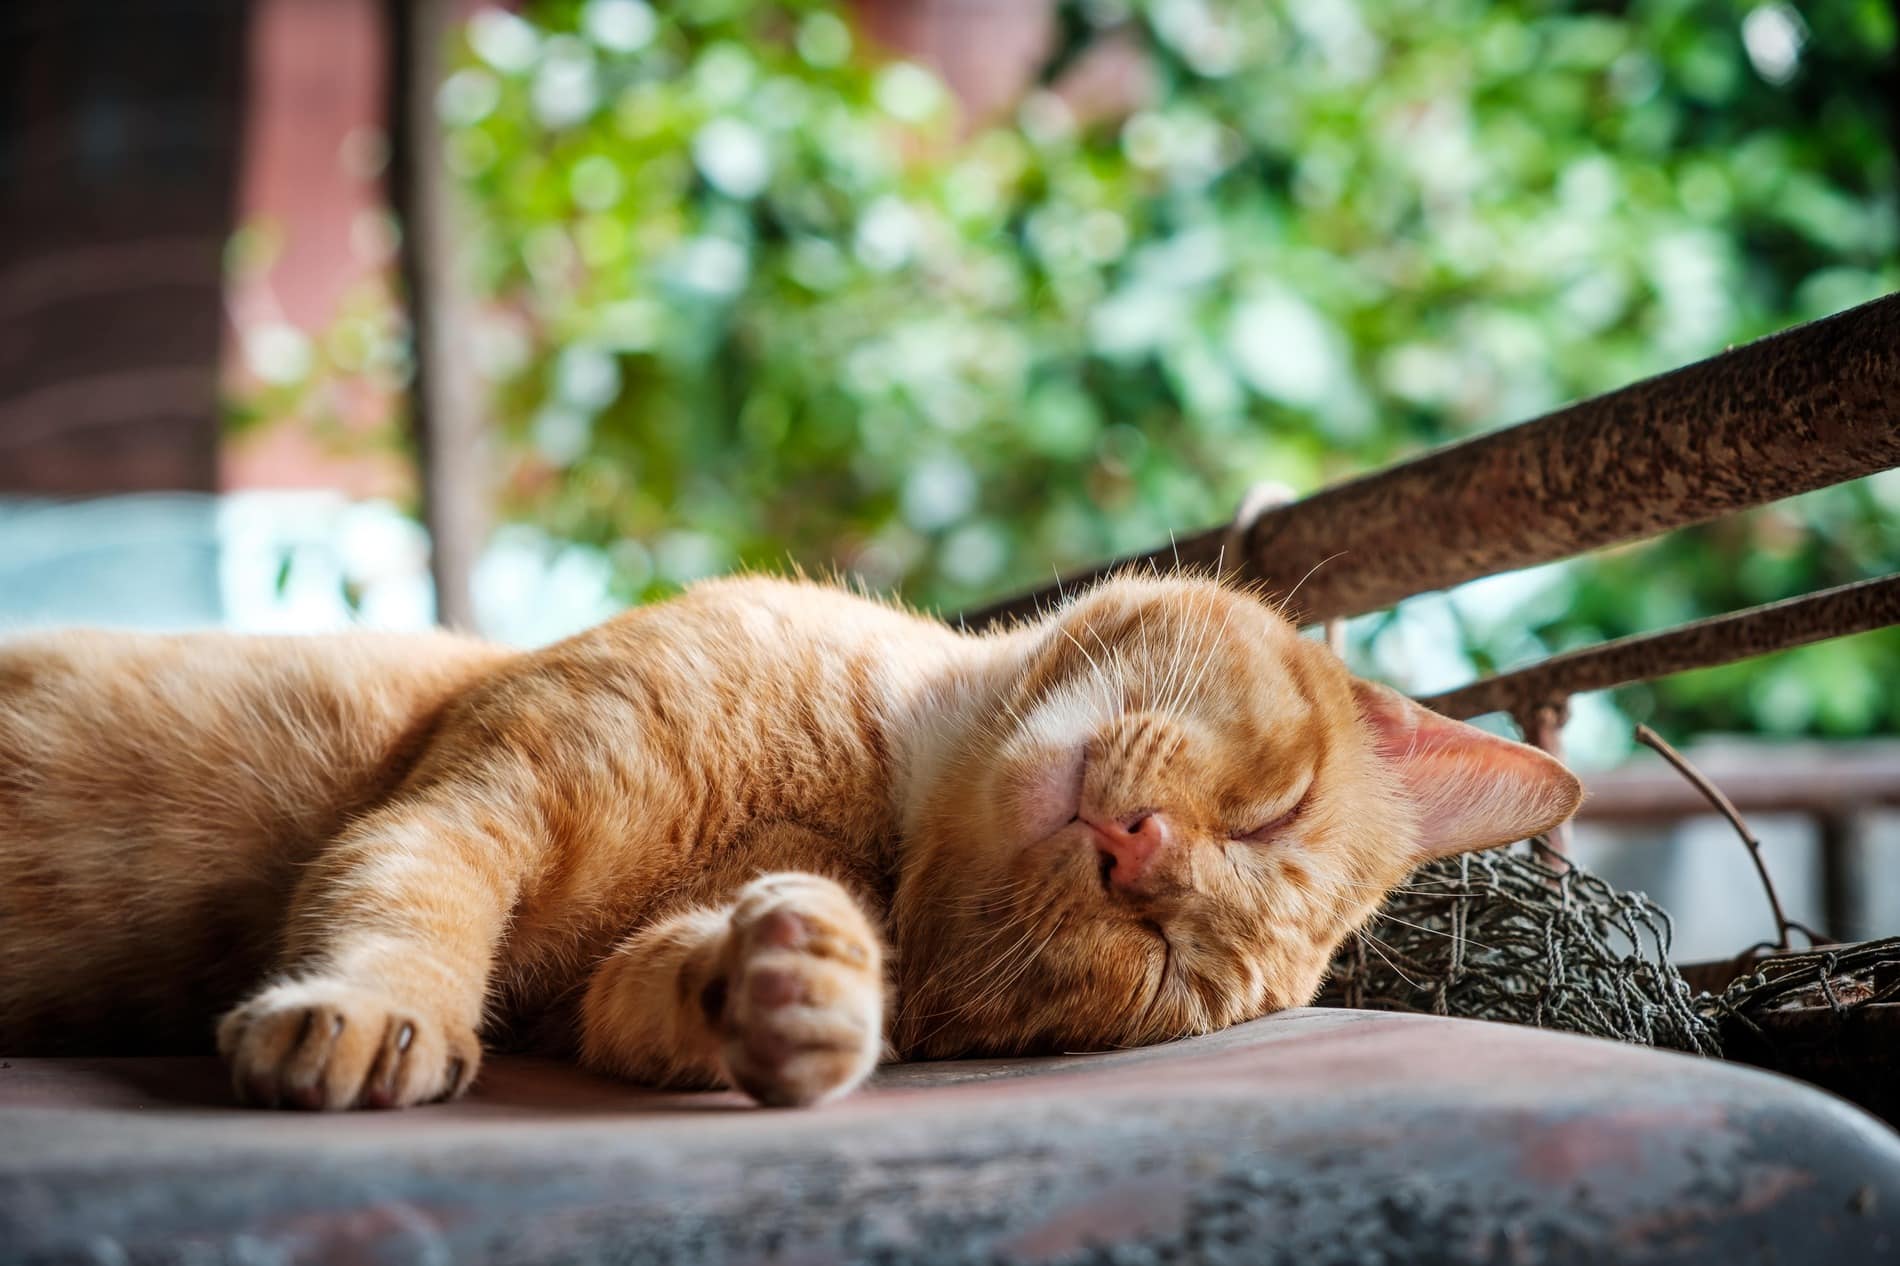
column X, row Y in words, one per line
column 1278, row 820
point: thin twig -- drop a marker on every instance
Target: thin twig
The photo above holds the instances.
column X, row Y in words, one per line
column 1650, row 739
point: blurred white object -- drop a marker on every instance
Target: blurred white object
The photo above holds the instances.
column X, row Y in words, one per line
column 275, row 562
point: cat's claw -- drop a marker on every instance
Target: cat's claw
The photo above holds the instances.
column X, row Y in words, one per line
column 326, row 1044
column 799, row 1003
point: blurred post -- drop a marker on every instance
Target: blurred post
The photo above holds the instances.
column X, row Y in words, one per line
column 119, row 136
column 445, row 403
column 1842, row 878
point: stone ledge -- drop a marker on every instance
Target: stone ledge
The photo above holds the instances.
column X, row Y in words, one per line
column 1310, row 1137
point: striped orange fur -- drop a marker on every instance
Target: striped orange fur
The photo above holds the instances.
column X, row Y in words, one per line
column 761, row 835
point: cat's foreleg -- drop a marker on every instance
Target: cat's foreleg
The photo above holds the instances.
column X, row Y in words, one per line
column 780, row 994
column 390, row 940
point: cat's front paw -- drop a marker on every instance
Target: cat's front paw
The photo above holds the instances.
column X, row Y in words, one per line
column 799, row 1002
column 332, row 1044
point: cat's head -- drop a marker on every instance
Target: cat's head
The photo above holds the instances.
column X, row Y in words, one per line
column 1167, row 816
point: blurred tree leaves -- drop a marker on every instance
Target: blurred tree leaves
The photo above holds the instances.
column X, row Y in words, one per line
column 755, row 296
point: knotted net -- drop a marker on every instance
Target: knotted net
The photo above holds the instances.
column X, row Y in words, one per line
column 1528, row 940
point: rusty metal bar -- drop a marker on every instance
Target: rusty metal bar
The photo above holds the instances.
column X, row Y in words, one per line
column 1810, row 407
column 1722, row 639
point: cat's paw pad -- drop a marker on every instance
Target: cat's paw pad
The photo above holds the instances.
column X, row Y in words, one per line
column 799, row 1003
column 330, row 1044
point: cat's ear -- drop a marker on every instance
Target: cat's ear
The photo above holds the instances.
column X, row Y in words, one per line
column 1472, row 789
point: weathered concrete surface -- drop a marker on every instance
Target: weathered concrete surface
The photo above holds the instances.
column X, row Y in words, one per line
column 1313, row 1137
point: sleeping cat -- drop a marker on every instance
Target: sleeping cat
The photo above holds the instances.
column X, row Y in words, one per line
column 744, row 837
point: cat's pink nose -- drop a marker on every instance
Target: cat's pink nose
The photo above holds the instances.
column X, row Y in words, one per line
column 1130, row 847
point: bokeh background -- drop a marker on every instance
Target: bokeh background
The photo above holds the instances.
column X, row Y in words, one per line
column 943, row 295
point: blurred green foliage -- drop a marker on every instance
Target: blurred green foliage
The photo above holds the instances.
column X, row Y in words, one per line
column 757, row 294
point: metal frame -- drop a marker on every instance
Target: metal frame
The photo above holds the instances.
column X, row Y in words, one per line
column 1722, row 639
column 1813, row 406
column 1810, row 407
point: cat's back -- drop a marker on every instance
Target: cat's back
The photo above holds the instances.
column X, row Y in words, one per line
column 158, row 792
column 748, row 607
column 104, row 725
column 766, row 652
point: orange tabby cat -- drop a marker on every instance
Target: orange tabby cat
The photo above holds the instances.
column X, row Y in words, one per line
column 736, row 838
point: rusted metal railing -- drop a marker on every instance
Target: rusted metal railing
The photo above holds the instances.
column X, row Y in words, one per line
column 1722, row 639
column 1813, row 406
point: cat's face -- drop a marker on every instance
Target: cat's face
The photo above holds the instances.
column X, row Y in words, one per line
column 1176, row 812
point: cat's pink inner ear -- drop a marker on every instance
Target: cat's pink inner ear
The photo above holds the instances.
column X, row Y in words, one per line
column 1472, row 790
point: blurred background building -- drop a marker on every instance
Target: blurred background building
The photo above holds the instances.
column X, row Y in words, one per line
column 941, row 294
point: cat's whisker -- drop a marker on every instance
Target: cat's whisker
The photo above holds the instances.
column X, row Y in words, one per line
column 1200, row 651
column 1171, row 673
column 1162, row 978
column 1286, row 603
column 1183, row 662
column 1005, row 883
column 974, row 962
column 979, row 965
column 1378, row 947
column 1002, row 930
column 989, row 900
column 1336, row 885
column 1024, row 963
column 1444, row 891
column 982, row 965
column 1420, row 927
column 1078, row 646
column 1201, row 640
column 1101, row 682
